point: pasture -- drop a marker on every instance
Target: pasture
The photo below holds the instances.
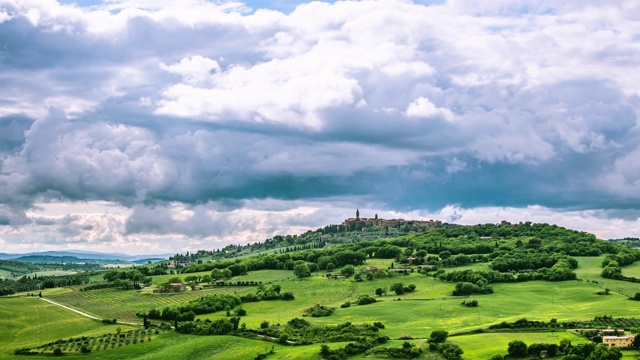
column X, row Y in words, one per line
column 30, row 322
column 483, row 346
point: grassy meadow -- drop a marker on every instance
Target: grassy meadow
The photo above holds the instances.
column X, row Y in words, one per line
column 29, row 321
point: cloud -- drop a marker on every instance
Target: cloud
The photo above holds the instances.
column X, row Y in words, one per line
column 192, row 113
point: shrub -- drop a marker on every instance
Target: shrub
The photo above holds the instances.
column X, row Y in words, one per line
column 240, row 312
column 517, row 349
column 365, row 300
column 346, row 305
column 438, row 336
column 470, row 303
column 319, row 310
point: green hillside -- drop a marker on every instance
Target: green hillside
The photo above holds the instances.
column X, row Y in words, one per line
column 532, row 282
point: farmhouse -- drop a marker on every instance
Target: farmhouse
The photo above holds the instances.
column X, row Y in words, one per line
column 618, row 341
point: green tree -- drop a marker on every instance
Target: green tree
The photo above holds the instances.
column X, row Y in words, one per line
column 192, row 278
column 438, row 336
column 517, row 349
column 301, row 270
column 381, row 291
column 347, row 271
column 398, row 288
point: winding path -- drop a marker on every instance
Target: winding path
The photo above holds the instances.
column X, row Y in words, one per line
column 85, row 314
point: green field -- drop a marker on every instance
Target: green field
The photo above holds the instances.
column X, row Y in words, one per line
column 483, row 346
column 29, row 322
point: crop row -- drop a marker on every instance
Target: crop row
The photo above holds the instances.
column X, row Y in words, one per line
column 86, row 344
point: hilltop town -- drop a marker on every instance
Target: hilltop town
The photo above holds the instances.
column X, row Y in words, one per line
column 392, row 225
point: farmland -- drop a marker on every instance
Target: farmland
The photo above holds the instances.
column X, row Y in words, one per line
column 123, row 305
column 413, row 315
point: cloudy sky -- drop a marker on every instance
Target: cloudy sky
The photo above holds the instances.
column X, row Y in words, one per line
column 153, row 126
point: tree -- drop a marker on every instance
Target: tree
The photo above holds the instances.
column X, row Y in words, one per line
column 517, row 349
column 603, row 352
column 347, row 271
column 497, row 357
column 240, row 312
column 398, row 288
column 301, row 270
column 207, row 279
column 381, row 291
column 40, row 294
column 438, row 336
column 192, row 278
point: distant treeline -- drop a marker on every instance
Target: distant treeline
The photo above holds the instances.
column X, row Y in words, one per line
column 28, row 283
column 19, row 268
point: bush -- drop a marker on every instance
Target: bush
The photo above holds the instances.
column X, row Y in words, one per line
column 240, row 312
column 264, row 325
column 319, row 310
column 517, row 349
column 365, row 300
column 438, row 336
column 346, row 305
column 470, row 303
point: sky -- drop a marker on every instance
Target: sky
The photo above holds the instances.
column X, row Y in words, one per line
column 163, row 126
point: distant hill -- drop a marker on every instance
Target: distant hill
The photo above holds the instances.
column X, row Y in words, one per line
column 78, row 256
column 49, row 259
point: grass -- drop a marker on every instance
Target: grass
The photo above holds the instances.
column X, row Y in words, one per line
column 589, row 269
column 483, row 346
column 632, row 270
column 30, row 322
column 431, row 307
column 171, row 345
